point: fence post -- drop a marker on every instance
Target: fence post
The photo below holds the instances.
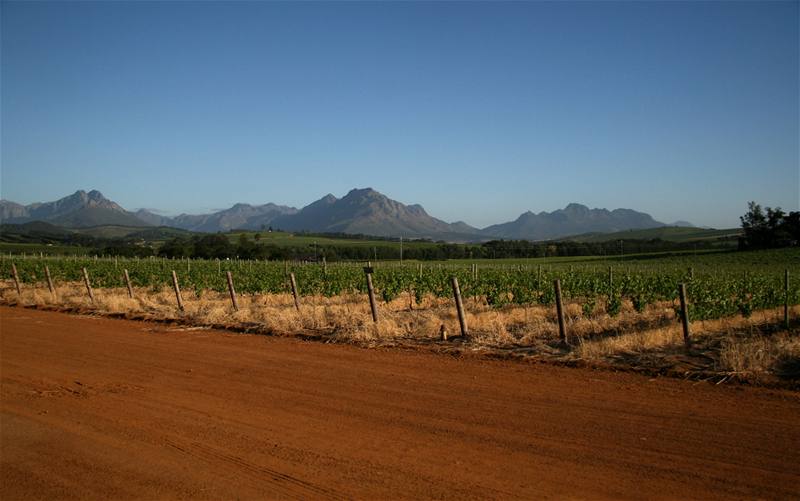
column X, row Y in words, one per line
column 177, row 290
column 294, row 291
column 88, row 285
column 128, row 283
column 687, row 339
column 611, row 279
column 49, row 281
column 16, row 277
column 371, row 292
column 232, row 291
column 786, row 298
column 562, row 330
column 462, row 320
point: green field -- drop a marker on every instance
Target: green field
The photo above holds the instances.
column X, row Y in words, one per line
column 284, row 239
column 667, row 233
column 47, row 249
column 148, row 233
column 594, row 260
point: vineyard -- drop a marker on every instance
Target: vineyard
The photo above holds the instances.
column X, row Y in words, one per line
column 718, row 285
column 610, row 306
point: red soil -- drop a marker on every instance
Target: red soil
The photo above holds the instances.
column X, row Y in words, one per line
column 101, row 408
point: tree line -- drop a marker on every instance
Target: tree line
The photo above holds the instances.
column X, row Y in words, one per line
column 219, row 246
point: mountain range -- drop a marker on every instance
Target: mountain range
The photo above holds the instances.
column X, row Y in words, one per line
column 361, row 211
column 574, row 219
column 240, row 216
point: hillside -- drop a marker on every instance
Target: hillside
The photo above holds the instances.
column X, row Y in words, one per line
column 132, row 232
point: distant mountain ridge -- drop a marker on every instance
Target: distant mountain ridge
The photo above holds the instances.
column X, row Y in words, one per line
column 240, row 216
column 361, row 211
column 81, row 209
column 574, row 219
column 366, row 211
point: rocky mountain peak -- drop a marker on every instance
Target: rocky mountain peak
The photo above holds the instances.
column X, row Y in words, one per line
column 576, row 208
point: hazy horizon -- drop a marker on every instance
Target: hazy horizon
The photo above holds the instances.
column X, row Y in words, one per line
column 476, row 111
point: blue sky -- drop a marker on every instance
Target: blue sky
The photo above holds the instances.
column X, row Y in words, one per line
column 477, row 111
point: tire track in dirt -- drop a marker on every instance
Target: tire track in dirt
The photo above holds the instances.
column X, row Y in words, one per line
column 285, row 484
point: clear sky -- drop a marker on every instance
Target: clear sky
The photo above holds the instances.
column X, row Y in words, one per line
column 477, row 111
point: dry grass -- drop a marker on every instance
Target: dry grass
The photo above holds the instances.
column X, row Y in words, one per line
column 759, row 354
column 735, row 343
column 631, row 343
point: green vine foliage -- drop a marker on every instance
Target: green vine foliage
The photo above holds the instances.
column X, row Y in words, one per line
column 720, row 286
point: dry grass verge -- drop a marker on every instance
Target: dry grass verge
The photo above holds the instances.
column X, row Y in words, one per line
column 736, row 348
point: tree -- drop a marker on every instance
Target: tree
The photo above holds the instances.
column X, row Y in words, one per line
column 213, row 246
column 792, row 225
column 754, row 224
column 774, row 228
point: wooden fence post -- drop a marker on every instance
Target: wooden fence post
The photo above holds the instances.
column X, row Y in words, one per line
column 294, row 291
column 88, row 285
column 16, row 277
column 462, row 319
column 177, row 290
column 371, row 292
column 49, row 281
column 786, row 298
column 687, row 339
column 562, row 330
column 232, row 291
column 128, row 283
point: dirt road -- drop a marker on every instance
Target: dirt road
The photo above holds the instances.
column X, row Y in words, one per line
column 101, row 408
